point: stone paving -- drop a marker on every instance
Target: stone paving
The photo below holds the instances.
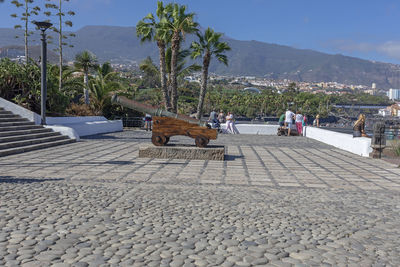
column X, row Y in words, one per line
column 275, row 201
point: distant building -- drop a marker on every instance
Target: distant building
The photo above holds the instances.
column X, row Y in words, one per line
column 394, row 94
column 371, row 92
column 374, row 90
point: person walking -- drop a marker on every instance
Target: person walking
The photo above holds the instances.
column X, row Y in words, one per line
column 230, row 124
column 299, row 123
column 221, row 116
column 147, row 122
column 304, row 122
column 213, row 120
column 289, row 120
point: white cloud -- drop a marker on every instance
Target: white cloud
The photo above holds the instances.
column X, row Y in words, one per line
column 389, row 48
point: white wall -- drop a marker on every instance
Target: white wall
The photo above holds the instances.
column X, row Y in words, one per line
column 18, row 110
column 358, row 145
column 74, row 127
column 94, row 127
column 255, row 129
column 70, row 132
column 61, row 120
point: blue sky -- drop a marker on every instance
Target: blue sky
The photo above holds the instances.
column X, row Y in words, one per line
column 367, row 29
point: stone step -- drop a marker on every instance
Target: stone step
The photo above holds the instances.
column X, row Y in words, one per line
column 23, row 149
column 21, row 127
column 22, row 132
column 26, row 137
column 13, row 119
column 32, row 142
column 9, row 116
column 5, row 112
column 17, row 123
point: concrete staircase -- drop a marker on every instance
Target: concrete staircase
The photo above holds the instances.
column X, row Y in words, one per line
column 18, row 135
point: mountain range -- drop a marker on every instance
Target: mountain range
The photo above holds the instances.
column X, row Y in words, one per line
column 247, row 58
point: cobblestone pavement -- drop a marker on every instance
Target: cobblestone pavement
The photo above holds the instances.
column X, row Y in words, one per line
column 275, row 201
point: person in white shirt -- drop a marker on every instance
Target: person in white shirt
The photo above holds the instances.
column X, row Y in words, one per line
column 230, row 124
column 289, row 120
column 299, row 122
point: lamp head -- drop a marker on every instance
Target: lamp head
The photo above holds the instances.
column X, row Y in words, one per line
column 43, row 25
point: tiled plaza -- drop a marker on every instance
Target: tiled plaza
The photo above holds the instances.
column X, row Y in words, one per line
column 275, row 201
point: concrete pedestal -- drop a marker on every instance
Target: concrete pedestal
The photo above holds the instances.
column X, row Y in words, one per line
column 182, row 152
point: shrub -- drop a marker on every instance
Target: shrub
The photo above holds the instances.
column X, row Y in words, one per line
column 395, row 146
column 80, row 110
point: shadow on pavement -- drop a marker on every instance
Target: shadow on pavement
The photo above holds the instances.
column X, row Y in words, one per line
column 12, row 180
column 119, row 162
column 112, row 137
column 232, row 157
column 88, row 163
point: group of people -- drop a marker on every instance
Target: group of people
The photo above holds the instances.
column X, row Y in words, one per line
column 216, row 120
column 289, row 118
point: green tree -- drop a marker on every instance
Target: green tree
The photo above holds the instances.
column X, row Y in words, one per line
column 72, row 85
column 21, row 83
column 148, row 29
column 181, row 69
column 85, row 62
column 177, row 23
column 209, row 45
column 151, row 78
column 100, row 89
column 28, row 10
column 58, row 28
column 106, row 68
column 151, row 70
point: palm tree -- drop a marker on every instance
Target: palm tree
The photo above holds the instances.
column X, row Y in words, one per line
column 178, row 23
column 106, row 68
column 71, row 85
column 149, row 29
column 209, row 45
column 84, row 62
column 150, row 68
column 182, row 71
column 100, row 89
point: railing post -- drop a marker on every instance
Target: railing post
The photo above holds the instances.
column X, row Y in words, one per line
column 378, row 142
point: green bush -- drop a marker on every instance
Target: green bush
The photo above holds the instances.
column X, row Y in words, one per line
column 395, row 146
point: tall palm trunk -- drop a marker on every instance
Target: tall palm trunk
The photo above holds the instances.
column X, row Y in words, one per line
column 163, row 78
column 86, row 90
column 26, row 33
column 175, row 45
column 203, row 88
column 60, row 40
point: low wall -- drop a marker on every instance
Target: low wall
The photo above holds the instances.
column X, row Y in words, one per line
column 70, row 132
column 62, row 120
column 261, row 129
column 94, row 127
column 74, row 127
column 18, row 110
column 359, row 145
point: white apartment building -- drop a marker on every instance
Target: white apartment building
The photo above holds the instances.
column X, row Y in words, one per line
column 393, row 94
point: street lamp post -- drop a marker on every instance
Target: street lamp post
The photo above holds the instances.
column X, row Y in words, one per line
column 43, row 26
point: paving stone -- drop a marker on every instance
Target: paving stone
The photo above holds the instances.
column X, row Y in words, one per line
column 112, row 208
